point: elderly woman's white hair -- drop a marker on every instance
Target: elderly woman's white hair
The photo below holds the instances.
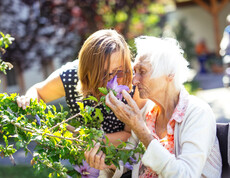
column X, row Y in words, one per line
column 165, row 56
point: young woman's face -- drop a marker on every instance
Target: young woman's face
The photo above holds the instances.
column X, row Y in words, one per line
column 116, row 67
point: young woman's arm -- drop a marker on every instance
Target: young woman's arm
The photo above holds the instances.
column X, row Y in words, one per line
column 47, row 90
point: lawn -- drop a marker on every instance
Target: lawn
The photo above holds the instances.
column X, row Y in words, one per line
column 21, row 172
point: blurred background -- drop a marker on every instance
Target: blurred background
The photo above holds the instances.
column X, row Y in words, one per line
column 49, row 33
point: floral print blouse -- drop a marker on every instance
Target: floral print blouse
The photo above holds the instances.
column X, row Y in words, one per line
column 168, row 140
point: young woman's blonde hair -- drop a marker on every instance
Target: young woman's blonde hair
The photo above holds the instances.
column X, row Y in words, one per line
column 94, row 54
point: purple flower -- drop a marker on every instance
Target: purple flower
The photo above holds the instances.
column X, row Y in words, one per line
column 133, row 160
column 112, row 84
column 38, row 120
column 128, row 166
column 86, row 171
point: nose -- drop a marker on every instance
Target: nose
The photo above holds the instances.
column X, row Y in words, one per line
column 135, row 79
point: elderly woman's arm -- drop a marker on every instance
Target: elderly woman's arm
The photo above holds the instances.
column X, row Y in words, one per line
column 195, row 139
column 193, row 142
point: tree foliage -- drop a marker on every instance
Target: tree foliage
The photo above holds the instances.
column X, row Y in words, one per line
column 38, row 36
column 5, row 41
column 45, row 30
column 183, row 35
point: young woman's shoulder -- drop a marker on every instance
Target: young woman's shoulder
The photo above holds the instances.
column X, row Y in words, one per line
column 73, row 65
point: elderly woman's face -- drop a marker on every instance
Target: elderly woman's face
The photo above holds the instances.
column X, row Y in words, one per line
column 148, row 87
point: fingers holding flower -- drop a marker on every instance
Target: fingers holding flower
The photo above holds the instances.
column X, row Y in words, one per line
column 95, row 159
column 113, row 85
column 127, row 113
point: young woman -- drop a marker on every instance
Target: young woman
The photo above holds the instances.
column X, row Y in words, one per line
column 103, row 55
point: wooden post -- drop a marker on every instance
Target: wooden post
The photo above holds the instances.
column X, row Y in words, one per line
column 21, row 80
column 3, row 83
column 215, row 17
column 203, row 5
column 214, row 8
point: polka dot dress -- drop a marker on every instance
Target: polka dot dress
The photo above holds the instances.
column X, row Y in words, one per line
column 69, row 78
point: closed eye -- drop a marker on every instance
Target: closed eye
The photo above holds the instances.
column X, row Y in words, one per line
column 142, row 72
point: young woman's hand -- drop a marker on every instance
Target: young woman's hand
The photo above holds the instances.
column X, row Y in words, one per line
column 23, row 101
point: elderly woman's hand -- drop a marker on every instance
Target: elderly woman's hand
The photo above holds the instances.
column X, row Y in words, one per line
column 94, row 159
column 129, row 113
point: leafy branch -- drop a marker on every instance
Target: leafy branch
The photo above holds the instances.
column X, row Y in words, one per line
column 54, row 141
column 5, row 41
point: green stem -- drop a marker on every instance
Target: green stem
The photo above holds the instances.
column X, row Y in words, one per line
column 78, row 114
column 41, row 160
column 46, row 134
column 72, row 117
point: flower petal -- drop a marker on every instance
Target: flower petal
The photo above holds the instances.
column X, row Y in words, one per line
column 86, row 165
column 119, row 88
column 38, row 120
column 112, row 84
column 128, row 166
column 85, row 176
column 77, row 168
column 93, row 172
column 119, row 96
column 133, row 160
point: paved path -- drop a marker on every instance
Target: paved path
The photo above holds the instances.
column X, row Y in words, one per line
column 214, row 93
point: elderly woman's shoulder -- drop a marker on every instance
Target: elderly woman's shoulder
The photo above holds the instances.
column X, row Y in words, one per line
column 198, row 104
column 199, row 110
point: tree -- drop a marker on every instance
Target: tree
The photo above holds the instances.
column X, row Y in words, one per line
column 131, row 18
column 45, row 30
column 38, row 37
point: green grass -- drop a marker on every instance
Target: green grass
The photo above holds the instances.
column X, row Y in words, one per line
column 21, row 172
column 24, row 171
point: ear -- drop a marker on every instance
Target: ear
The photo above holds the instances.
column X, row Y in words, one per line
column 170, row 77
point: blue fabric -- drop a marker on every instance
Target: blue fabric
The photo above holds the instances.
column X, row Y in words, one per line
column 227, row 29
column 227, row 50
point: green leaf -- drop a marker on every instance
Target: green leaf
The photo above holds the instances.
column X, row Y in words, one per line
column 102, row 99
column 81, row 105
column 99, row 114
column 19, row 144
column 61, row 108
column 106, row 140
column 103, row 90
column 2, row 34
column 5, row 140
column 107, row 108
column 91, row 98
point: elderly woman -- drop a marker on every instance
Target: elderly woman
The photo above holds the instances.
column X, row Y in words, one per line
column 179, row 133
